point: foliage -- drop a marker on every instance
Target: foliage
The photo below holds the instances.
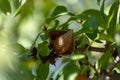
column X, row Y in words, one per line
column 96, row 27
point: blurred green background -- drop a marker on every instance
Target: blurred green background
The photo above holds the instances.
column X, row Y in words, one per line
column 20, row 22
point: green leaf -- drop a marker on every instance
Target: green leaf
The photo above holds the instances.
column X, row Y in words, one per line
column 90, row 57
column 56, row 26
column 17, row 6
column 42, row 36
column 58, row 13
column 90, row 13
column 84, row 69
column 104, row 60
column 5, row 6
column 83, row 40
column 43, row 49
column 118, row 28
column 106, row 37
column 42, row 71
column 64, row 25
column 91, row 23
column 117, row 68
column 69, row 69
column 112, row 18
column 58, row 10
column 77, row 56
column 89, row 26
column 18, row 48
column 27, row 8
column 48, row 6
column 93, row 35
column 83, row 30
column 102, row 9
column 118, row 49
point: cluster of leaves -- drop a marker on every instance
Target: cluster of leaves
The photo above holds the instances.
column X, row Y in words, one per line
column 97, row 26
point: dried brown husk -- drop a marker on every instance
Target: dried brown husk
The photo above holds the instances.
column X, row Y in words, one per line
column 61, row 41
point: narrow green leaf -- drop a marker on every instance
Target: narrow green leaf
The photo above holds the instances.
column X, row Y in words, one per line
column 102, row 9
column 112, row 18
column 17, row 4
column 42, row 71
column 5, row 6
column 56, row 26
column 104, row 60
column 58, row 10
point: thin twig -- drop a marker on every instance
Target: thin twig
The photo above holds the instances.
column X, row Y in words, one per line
column 35, row 41
column 113, row 64
column 110, row 68
column 97, row 49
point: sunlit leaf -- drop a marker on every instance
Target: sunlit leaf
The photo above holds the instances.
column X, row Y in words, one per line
column 58, row 10
column 77, row 56
column 105, row 37
column 18, row 4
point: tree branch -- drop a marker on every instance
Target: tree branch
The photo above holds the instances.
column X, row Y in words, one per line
column 110, row 68
column 96, row 49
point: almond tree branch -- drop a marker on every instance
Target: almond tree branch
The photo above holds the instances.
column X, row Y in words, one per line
column 110, row 68
column 97, row 49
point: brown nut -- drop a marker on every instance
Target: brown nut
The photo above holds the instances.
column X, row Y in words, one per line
column 61, row 41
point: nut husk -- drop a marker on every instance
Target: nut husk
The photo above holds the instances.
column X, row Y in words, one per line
column 61, row 41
